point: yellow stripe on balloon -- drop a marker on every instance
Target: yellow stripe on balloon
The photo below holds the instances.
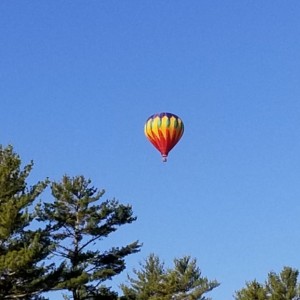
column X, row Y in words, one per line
column 155, row 126
column 164, row 126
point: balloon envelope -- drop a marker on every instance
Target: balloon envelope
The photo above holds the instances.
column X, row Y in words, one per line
column 164, row 131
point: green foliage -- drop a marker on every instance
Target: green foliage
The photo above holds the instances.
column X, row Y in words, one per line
column 78, row 219
column 92, row 293
column 253, row 291
column 283, row 286
column 148, row 282
column 21, row 249
column 154, row 282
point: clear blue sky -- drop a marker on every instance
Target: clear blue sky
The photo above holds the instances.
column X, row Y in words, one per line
column 78, row 79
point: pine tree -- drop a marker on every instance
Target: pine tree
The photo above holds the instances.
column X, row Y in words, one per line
column 78, row 219
column 253, row 291
column 154, row 282
column 148, row 283
column 187, row 281
column 282, row 286
column 22, row 249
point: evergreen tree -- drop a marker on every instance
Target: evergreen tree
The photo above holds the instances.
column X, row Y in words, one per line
column 78, row 219
column 253, row 291
column 282, row 286
column 149, row 281
column 186, row 280
column 22, row 275
column 154, row 282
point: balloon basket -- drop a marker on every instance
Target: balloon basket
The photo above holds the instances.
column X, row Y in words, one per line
column 164, row 158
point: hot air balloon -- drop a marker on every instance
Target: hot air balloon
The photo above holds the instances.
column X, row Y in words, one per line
column 164, row 131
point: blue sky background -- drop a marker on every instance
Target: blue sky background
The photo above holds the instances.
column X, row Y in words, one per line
column 78, row 79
